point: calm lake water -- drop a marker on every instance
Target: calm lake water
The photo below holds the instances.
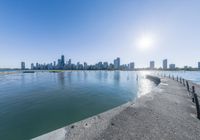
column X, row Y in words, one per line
column 32, row 104
column 189, row 75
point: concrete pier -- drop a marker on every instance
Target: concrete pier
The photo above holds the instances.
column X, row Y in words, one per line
column 167, row 113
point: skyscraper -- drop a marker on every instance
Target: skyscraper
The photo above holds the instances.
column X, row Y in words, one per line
column 117, row 63
column 62, row 61
column 37, row 66
column 105, row 65
column 59, row 64
column 32, row 66
column 152, row 64
column 85, row 66
column 198, row 65
column 132, row 66
column 165, row 64
column 23, row 66
column 78, row 65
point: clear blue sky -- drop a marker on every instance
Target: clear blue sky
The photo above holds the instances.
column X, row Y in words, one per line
column 99, row 30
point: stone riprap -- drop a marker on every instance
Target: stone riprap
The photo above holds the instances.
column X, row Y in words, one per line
column 166, row 113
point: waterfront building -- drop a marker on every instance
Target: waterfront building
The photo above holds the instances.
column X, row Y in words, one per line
column 164, row 64
column 69, row 62
column 78, row 65
column 100, row 66
column 132, row 66
column 23, row 67
column 37, row 66
column 152, row 65
column 85, row 66
column 32, row 66
column 111, row 66
column 105, row 65
column 59, row 64
column 198, row 65
column 172, row 66
column 117, row 63
column 54, row 64
column 62, row 61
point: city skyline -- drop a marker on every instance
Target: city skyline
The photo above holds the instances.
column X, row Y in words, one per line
column 100, row 30
column 67, row 64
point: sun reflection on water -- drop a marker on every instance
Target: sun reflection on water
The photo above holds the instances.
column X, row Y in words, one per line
column 144, row 85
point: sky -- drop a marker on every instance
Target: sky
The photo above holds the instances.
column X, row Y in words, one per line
column 99, row 30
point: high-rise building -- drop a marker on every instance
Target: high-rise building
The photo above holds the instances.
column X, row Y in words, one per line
column 62, row 61
column 78, row 66
column 32, row 66
column 117, row 63
column 165, row 64
column 23, row 67
column 132, row 66
column 85, row 66
column 59, row 64
column 69, row 62
column 152, row 64
column 172, row 66
column 37, row 66
column 198, row 65
column 105, row 65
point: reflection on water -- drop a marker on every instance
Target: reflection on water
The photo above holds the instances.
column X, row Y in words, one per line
column 189, row 75
column 35, row 103
column 61, row 79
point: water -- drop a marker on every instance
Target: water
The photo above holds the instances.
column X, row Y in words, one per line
column 189, row 75
column 32, row 104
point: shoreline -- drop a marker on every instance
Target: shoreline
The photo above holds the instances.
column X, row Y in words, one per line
column 90, row 125
column 164, row 113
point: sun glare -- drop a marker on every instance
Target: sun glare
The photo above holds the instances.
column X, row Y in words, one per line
column 145, row 42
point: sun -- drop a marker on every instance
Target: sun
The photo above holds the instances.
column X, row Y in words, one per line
column 145, row 42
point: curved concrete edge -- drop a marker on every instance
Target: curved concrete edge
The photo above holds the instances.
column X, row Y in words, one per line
column 155, row 79
column 93, row 126
column 89, row 127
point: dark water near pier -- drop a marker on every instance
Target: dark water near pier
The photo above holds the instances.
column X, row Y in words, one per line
column 35, row 103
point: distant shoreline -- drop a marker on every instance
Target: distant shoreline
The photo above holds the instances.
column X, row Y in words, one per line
column 19, row 70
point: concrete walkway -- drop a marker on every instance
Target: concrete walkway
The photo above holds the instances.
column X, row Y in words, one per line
column 167, row 113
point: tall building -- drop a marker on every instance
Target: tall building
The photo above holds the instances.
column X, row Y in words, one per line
column 152, row 64
column 172, row 66
column 32, row 66
column 165, row 64
column 100, row 65
column 62, row 61
column 132, row 66
column 117, row 63
column 105, row 65
column 85, row 66
column 37, row 66
column 198, row 65
column 59, row 64
column 69, row 62
column 78, row 65
column 23, row 67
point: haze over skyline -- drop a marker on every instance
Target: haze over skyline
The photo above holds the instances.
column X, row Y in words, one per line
column 99, row 30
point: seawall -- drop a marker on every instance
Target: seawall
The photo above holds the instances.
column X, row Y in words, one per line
column 167, row 112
